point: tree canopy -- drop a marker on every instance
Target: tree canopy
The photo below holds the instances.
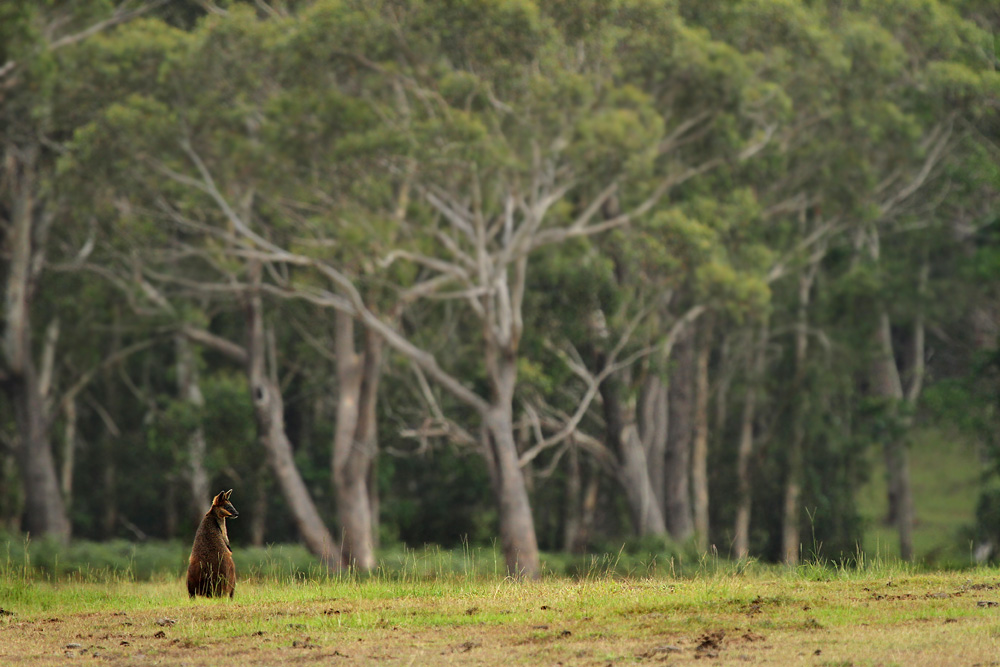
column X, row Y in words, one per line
column 555, row 272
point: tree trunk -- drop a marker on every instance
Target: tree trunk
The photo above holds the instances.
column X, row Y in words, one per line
column 679, row 519
column 898, row 459
column 169, row 511
column 374, row 499
column 11, row 498
column 699, row 451
column 755, row 371
column 354, row 441
column 367, row 428
column 109, row 506
column 69, row 451
column 517, row 525
column 574, row 516
column 654, row 432
column 269, row 413
column 581, row 503
column 45, row 513
column 189, row 390
column 588, row 509
column 258, row 519
column 722, row 390
column 633, row 471
column 790, row 538
column 886, row 384
column 109, row 437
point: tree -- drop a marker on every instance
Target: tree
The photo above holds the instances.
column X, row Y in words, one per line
column 31, row 37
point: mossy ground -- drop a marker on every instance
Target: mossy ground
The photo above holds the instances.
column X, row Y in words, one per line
column 751, row 615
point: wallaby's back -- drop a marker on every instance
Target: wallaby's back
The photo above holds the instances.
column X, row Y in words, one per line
column 211, row 571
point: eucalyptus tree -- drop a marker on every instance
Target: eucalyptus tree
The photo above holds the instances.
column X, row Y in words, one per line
column 944, row 76
column 152, row 247
column 470, row 152
column 863, row 137
column 35, row 42
column 717, row 115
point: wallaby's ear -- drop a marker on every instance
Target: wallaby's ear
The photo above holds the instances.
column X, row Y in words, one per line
column 227, row 494
column 219, row 499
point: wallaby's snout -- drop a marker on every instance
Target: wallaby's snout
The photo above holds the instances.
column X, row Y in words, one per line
column 226, row 508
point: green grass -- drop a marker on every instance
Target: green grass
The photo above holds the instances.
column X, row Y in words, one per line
column 945, row 473
column 163, row 560
column 879, row 614
column 646, row 603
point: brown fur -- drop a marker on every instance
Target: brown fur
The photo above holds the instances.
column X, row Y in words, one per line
column 211, row 571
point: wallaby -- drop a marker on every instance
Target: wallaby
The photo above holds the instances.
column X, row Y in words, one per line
column 211, row 571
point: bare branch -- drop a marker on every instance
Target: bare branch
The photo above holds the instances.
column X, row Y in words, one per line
column 452, row 247
column 673, row 140
column 817, row 237
column 211, row 8
column 450, row 212
column 274, row 13
column 432, row 288
column 587, row 442
column 611, row 365
column 393, row 338
column 121, row 15
column 48, row 357
column 109, row 422
column 580, row 227
column 321, row 348
column 936, row 141
column 222, row 345
column 111, row 360
column 917, row 362
column 678, row 326
column 758, row 146
column 434, row 263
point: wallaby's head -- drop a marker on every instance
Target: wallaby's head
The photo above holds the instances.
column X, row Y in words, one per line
column 221, row 506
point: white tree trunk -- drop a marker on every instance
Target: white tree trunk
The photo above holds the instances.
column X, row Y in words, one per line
column 744, row 482
column 354, row 442
column 699, row 452
column 269, row 412
column 654, row 416
column 45, row 512
column 189, row 390
column 887, row 385
column 679, row 518
column 790, row 538
column 633, row 466
column 517, row 525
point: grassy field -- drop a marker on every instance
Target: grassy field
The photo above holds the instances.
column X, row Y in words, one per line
column 879, row 615
column 118, row 603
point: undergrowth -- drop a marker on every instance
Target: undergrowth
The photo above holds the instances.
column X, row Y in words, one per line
column 25, row 561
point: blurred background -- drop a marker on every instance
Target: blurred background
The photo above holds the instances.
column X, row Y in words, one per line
column 660, row 279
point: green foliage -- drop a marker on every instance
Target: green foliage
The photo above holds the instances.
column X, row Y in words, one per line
column 447, row 500
column 794, row 130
